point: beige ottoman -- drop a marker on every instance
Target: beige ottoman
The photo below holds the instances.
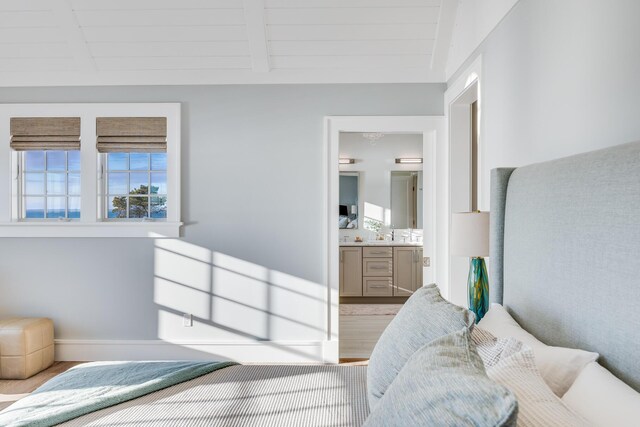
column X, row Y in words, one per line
column 26, row 347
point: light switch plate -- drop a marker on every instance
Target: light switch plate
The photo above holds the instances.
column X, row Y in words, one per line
column 426, row 262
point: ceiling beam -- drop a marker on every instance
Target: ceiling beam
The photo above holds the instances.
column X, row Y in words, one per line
column 444, row 32
column 257, row 35
column 66, row 18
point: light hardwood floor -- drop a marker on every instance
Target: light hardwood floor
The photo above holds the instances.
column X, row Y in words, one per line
column 12, row 390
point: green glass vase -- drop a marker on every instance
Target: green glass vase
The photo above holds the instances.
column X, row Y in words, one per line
column 478, row 288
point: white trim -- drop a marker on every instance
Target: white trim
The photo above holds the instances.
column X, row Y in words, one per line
column 152, row 229
column 434, row 136
column 90, row 223
column 220, row 77
column 469, row 80
column 244, row 352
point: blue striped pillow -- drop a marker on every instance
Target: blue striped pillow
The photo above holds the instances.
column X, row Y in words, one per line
column 423, row 318
column 444, row 384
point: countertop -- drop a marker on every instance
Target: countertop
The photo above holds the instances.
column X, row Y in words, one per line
column 386, row 243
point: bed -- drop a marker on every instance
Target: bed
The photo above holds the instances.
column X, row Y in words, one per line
column 565, row 262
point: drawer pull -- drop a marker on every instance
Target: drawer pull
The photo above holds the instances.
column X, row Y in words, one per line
column 373, row 267
column 378, row 286
column 380, row 252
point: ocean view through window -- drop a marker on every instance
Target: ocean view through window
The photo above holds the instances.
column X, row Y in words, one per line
column 50, row 184
column 136, row 185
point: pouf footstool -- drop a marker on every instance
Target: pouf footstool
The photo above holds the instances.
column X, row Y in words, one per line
column 26, row 347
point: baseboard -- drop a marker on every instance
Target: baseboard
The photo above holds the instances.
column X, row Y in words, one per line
column 244, row 352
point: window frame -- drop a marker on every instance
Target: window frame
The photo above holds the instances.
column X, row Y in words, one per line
column 45, row 172
column 104, row 164
column 92, row 221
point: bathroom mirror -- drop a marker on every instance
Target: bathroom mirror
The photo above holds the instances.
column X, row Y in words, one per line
column 348, row 215
column 406, row 199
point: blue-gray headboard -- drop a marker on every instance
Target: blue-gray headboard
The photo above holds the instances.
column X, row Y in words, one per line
column 565, row 253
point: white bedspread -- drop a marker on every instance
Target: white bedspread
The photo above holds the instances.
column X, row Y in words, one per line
column 249, row 395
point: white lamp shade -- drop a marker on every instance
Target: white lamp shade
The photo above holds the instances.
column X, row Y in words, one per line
column 470, row 234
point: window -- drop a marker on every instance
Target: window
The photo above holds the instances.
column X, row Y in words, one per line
column 136, row 185
column 90, row 170
column 50, row 184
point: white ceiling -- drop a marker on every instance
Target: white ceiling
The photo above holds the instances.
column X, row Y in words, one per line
column 107, row 42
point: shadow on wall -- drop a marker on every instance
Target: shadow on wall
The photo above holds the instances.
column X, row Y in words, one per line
column 234, row 303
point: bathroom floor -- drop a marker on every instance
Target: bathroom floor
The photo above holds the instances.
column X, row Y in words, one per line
column 360, row 327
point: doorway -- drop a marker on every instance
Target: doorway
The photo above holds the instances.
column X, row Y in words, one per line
column 430, row 131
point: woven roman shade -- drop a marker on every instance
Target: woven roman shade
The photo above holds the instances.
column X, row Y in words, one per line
column 45, row 133
column 131, row 134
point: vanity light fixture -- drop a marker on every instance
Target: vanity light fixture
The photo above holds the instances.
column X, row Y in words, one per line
column 406, row 161
column 346, row 161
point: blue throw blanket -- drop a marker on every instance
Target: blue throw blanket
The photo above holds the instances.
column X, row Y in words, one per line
column 92, row 386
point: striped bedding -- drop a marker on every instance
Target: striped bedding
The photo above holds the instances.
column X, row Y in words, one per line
column 249, row 395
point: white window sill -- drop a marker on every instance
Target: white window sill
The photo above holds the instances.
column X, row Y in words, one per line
column 160, row 229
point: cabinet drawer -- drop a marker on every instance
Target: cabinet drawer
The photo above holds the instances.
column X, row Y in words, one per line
column 377, row 266
column 377, row 252
column 374, row 287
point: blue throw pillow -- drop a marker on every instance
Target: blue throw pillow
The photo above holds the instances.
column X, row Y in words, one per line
column 444, row 384
column 424, row 317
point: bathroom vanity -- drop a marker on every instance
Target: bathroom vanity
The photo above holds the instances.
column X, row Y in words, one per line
column 390, row 269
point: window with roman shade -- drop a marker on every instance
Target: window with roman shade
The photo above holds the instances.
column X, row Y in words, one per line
column 45, row 133
column 135, row 160
column 131, row 134
column 124, row 183
column 48, row 152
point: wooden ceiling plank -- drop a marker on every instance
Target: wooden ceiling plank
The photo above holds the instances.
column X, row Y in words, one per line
column 350, row 47
column 67, row 21
column 352, row 61
column 39, row 64
column 349, row 3
column 177, row 49
column 155, row 4
column 33, row 18
column 165, row 34
column 141, row 18
column 31, row 35
column 33, row 50
column 257, row 35
column 174, row 63
column 24, row 5
column 350, row 16
column 352, row 32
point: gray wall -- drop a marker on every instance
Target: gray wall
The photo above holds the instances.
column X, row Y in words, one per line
column 246, row 150
column 559, row 77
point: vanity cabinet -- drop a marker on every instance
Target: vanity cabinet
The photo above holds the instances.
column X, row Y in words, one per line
column 407, row 270
column 350, row 271
column 380, row 271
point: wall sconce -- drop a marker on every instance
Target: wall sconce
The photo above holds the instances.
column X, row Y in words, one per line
column 409, row 161
column 346, row 161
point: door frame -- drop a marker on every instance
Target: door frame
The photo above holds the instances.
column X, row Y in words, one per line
column 435, row 223
column 462, row 92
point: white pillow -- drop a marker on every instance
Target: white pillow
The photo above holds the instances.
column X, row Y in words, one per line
column 537, row 405
column 603, row 399
column 559, row 366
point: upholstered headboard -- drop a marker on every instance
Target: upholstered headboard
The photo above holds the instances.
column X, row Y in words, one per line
column 565, row 253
